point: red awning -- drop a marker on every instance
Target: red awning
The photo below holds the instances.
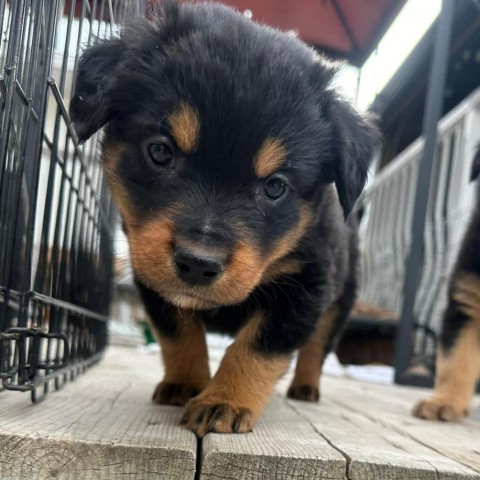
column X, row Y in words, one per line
column 344, row 28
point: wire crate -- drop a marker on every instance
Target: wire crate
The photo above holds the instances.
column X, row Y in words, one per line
column 56, row 216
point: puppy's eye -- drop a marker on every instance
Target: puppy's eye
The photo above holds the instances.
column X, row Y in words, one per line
column 161, row 154
column 274, row 188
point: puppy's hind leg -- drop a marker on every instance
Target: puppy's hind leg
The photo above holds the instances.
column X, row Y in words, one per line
column 458, row 358
column 306, row 382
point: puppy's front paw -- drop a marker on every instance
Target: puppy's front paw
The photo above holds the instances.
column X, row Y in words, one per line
column 203, row 415
column 435, row 409
column 305, row 393
column 168, row 393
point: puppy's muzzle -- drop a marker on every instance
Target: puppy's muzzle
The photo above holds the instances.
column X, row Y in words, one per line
column 198, row 269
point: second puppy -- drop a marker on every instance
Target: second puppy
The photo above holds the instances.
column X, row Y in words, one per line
column 458, row 356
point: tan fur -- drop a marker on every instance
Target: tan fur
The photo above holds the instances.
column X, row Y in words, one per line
column 185, row 127
column 185, row 356
column 311, row 355
column 111, row 154
column 289, row 242
column 269, row 157
column 152, row 260
column 244, row 381
column 457, row 372
column 283, row 266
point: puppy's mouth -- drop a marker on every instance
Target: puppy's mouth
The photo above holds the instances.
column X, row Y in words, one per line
column 193, row 278
column 231, row 288
column 224, row 292
column 191, row 301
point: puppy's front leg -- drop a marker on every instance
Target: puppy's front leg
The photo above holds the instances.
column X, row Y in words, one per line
column 240, row 389
column 181, row 336
column 185, row 359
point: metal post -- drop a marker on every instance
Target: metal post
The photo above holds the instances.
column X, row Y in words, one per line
column 433, row 106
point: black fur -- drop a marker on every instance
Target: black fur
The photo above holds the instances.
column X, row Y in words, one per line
column 468, row 262
column 475, row 172
column 161, row 312
column 248, row 83
column 94, row 84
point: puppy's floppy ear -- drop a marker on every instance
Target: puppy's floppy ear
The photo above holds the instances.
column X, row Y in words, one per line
column 355, row 140
column 90, row 106
column 475, row 172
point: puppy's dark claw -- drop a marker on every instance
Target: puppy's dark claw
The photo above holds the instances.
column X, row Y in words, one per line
column 305, row 393
column 202, row 417
column 167, row 393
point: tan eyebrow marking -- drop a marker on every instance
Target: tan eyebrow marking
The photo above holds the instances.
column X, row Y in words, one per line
column 185, row 127
column 269, row 157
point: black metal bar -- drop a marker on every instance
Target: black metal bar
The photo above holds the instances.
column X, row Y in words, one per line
column 56, row 215
column 434, row 102
column 73, row 135
column 68, row 306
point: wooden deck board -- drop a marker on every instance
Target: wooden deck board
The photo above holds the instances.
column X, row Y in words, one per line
column 282, row 446
column 390, row 406
column 376, row 451
column 103, row 425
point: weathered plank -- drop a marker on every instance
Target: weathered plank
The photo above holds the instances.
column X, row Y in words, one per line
column 104, row 426
column 283, row 445
column 375, row 451
column 391, row 406
column 101, row 426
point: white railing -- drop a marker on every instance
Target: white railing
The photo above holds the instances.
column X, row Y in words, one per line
column 389, row 201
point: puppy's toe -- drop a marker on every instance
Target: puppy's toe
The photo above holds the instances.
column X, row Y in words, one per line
column 167, row 393
column 202, row 417
column 305, row 393
column 434, row 409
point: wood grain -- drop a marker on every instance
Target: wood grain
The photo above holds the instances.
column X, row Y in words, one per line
column 282, row 446
column 390, row 406
column 101, row 426
column 378, row 452
column 104, row 426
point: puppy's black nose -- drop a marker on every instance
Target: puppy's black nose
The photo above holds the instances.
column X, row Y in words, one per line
column 197, row 269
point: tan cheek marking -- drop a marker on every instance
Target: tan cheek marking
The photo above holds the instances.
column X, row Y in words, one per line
column 271, row 155
column 150, row 243
column 247, row 268
column 150, row 248
column 243, row 273
column 287, row 266
column 111, row 154
column 290, row 241
column 185, row 127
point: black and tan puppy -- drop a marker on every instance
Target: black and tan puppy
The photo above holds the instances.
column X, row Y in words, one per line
column 458, row 355
column 222, row 146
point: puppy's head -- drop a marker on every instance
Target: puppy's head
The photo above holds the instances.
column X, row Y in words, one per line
column 221, row 136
